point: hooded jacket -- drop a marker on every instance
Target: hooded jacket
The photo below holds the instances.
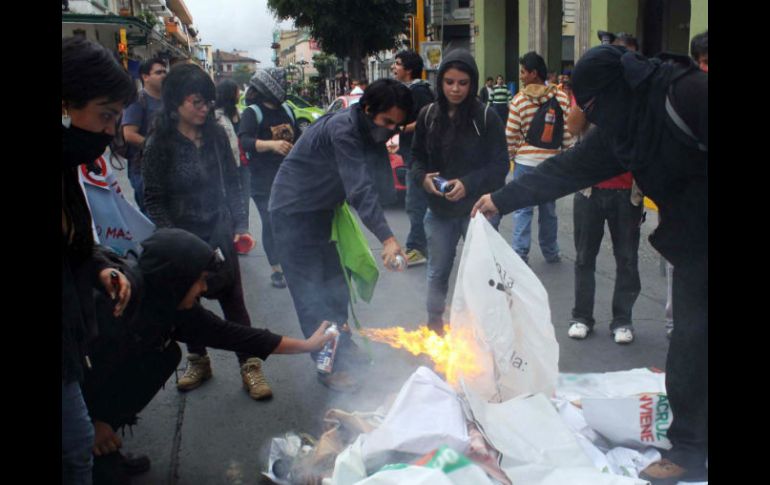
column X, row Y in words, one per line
column 171, row 261
column 476, row 152
column 634, row 133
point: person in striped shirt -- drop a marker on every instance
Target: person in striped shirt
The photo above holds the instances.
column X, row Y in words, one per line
column 500, row 98
column 527, row 156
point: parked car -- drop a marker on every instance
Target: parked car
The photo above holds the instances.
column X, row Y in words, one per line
column 343, row 102
column 304, row 112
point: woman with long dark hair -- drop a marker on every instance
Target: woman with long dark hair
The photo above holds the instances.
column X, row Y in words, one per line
column 227, row 115
column 267, row 134
column 192, row 183
column 95, row 89
column 460, row 140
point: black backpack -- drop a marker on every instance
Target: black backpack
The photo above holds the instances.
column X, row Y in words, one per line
column 119, row 145
column 547, row 127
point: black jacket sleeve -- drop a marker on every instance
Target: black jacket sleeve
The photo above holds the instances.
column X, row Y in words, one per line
column 155, row 174
column 496, row 157
column 232, row 180
column 583, row 165
column 420, row 149
column 200, row 327
column 248, row 131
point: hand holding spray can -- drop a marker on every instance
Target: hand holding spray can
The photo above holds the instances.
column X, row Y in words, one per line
column 398, row 264
column 442, row 184
column 325, row 359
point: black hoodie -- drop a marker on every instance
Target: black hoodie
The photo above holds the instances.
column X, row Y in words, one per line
column 171, row 261
column 476, row 153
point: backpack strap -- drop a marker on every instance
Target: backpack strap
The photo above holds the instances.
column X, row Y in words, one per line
column 427, row 114
column 674, row 116
column 258, row 112
column 289, row 112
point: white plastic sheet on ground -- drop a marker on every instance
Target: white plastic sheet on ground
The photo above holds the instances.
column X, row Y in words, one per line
column 538, row 447
column 506, row 307
column 425, row 415
column 573, row 387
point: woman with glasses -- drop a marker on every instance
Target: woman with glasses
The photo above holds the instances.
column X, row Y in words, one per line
column 192, row 183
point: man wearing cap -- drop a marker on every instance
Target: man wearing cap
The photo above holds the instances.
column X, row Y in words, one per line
column 267, row 133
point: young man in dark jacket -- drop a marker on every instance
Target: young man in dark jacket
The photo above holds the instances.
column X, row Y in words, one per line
column 136, row 353
column 333, row 161
column 660, row 135
column 407, row 68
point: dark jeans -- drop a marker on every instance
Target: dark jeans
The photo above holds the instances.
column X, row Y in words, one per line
column 268, row 242
column 131, row 385
column 137, row 183
column 623, row 218
column 245, row 174
column 312, row 269
column 416, row 205
column 502, row 111
column 687, row 367
column 234, row 310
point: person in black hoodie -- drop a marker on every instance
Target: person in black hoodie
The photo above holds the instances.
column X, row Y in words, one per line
column 95, row 89
column 651, row 118
column 137, row 352
column 462, row 141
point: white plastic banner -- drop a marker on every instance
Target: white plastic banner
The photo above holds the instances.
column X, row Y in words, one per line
column 505, row 306
column 636, row 421
column 425, row 415
column 117, row 224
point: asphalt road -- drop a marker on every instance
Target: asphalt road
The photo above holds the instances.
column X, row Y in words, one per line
column 217, row 434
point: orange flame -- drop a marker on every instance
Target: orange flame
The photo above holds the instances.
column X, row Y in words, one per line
column 453, row 354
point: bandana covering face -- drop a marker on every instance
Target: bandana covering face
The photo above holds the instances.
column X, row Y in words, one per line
column 271, row 83
column 82, row 146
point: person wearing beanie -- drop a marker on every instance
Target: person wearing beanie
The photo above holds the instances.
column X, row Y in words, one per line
column 267, row 133
column 463, row 141
column 651, row 118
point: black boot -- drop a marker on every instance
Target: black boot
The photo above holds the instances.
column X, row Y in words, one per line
column 134, row 464
column 109, row 470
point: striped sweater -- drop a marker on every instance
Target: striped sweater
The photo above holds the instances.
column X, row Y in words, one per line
column 522, row 109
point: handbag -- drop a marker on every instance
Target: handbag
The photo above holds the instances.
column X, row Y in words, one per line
column 222, row 238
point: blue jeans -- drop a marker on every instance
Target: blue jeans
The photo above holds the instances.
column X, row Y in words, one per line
column 77, row 436
column 416, row 205
column 522, row 224
column 443, row 235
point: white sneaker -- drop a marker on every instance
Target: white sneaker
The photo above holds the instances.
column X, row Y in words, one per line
column 578, row 330
column 624, row 336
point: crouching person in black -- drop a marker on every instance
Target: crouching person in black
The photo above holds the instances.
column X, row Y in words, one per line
column 135, row 354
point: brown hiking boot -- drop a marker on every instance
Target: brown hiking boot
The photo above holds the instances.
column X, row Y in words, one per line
column 254, row 380
column 663, row 472
column 198, row 370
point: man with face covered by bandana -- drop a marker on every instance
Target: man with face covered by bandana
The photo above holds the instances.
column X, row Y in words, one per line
column 652, row 120
column 333, row 161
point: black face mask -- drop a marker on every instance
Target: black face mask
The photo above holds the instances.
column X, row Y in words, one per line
column 81, row 146
column 379, row 134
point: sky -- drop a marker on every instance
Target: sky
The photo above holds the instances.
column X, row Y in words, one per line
column 236, row 24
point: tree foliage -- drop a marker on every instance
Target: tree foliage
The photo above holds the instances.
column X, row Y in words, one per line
column 347, row 28
column 242, row 74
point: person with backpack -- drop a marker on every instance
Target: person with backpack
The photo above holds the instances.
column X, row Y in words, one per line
column 192, row 183
column 134, row 354
column 137, row 122
column 407, row 68
column 651, row 118
column 459, row 139
column 535, row 131
column 267, row 133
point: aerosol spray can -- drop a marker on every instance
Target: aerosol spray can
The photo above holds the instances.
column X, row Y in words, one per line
column 325, row 359
column 399, row 264
column 442, row 184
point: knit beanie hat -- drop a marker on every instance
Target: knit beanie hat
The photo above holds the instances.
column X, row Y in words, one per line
column 270, row 83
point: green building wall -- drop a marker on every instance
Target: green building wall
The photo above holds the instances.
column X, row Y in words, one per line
column 699, row 17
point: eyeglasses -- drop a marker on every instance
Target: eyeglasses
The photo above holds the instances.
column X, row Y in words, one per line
column 199, row 102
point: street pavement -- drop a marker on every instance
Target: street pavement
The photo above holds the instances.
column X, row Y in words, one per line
column 217, row 434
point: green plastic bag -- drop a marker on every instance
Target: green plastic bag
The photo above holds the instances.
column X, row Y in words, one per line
column 354, row 252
